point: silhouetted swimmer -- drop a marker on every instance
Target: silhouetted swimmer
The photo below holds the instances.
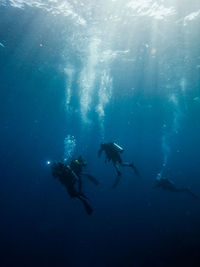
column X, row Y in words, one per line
column 112, row 153
column 168, row 185
column 69, row 179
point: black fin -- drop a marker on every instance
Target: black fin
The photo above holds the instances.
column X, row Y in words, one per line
column 116, row 181
column 88, row 208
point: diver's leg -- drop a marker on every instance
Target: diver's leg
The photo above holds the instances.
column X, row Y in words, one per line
column 118, row 174
column 116, row 168
column 82, row 195
column 131, row 165
column 186, row 190
column 88, row 208
column 91, row 178
column 79, row 184
column 79, row 193
column 125, row 164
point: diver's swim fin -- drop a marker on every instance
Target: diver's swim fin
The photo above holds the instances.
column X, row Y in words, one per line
column 91, row 178
column 88, row 209
column 116, row 181
column 190, row 193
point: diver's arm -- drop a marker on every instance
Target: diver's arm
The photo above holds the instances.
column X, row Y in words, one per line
column 91, row 178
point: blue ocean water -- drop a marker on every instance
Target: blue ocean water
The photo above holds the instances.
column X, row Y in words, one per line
column 78, row 73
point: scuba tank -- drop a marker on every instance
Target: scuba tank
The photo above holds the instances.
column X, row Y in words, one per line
column 117, row 148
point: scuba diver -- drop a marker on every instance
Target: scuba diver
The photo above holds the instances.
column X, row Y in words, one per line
column 77, row 166
column 112, row 153
column 168, row 185
column 69, row 179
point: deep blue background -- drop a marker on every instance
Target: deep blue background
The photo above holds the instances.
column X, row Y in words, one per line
column 134, row 225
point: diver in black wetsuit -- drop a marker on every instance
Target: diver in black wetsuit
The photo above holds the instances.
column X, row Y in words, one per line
column 168, row 185
column 68, row 178
column 77, row 166
column 112, row 152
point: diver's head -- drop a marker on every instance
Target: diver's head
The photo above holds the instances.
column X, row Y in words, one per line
column 81, row 161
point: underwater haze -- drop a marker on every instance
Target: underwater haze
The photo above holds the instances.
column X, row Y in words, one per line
column 74, row 74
